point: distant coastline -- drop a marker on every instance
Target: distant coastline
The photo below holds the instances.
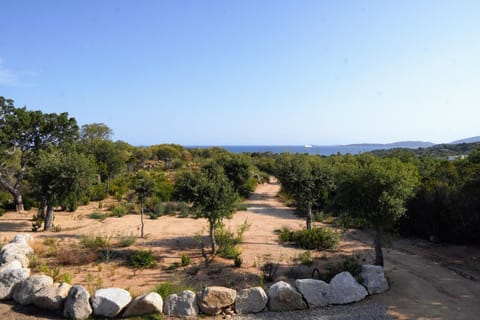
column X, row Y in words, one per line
column 315, row 150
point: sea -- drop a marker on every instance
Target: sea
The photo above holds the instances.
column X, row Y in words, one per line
column 313, row 150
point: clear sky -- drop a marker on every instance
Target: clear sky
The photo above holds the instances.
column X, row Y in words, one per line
column 249, row 72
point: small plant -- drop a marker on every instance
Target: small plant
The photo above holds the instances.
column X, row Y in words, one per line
column 305, row 258
column 237, row 261
column 352, row 264
column 96, row 243
column 228, row 242
column 98, row 216
column 167, row 288
column 185, row 260
column 33, row 261
column 170, row 208
column 143, row 259
column 126, row 240
column 119, row 211
column 38, row 220
column 241, row 206
column 316, row 238
column 57, row 228
column 269, row 271
column 2, row 212
column 93, row 283
column 173, row 266
column 55, row 273
column 184, row 210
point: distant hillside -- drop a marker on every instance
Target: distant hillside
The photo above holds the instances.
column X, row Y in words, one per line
column 438, row 150
column 400, row 144
column 467, row 140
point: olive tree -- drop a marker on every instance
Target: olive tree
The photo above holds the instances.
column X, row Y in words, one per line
column 211, row 194
column 23, row 134
column 377, row 190
column 144, row 186
column 58, row 176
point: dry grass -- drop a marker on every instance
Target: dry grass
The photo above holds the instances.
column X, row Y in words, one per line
column 73, row 255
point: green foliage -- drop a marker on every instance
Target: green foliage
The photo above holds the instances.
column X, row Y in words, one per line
column 119, row 211
column 143, row 259
column 305, row 258
column 317, row 238
column 98, row 216
column 97, row 192
column 167, row 288
column 346, row 221
column 237, row 261
column 55, row 272
column 352, row 264
column 184, row 209
column 96, row 243
column 2, row 212
column 228, row 242
column 125, row 240
column 185, row 260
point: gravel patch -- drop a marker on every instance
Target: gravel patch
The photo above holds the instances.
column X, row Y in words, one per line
column 357, row 311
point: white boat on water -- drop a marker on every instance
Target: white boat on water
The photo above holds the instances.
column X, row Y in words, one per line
column 308, row 146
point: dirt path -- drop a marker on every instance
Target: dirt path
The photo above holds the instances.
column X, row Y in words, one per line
column 427, row 282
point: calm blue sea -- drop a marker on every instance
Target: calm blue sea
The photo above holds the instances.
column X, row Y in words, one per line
column 314, row 150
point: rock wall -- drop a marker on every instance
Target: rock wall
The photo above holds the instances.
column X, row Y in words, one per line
column 74, row 302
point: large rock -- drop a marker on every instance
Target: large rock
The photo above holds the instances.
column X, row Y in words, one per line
column 77, row 305
column 148, row 303
column 110, row 302
column 314, row 291
column 13, row 253
column 183, row 304
column 283, row 297
column 345, row 289
column 15, row 264
column 20, row 247
column 26, row 289
column 374, row 279
column 23, row 237
column 212, row 300
column 52, row 297
column 9, row 279
column 251, row 300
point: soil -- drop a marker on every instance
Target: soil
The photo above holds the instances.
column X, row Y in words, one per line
column 428, row 280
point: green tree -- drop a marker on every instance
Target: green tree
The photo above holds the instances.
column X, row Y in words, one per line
column 306, row 180
column 211, row 194
column 144, row 186
column 59, row 176
column 23, row 133
column 376, row 190
column 95, row 131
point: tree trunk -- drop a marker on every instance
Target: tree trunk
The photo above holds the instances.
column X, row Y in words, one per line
column 19, row 202
column 141, row 219
column 309, row 218
column 48, row 218
column 378, row 248
column 212, row 237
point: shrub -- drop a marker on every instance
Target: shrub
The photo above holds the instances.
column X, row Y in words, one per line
column 119, row 211
column 345, row 221
column 228, row 242
column 126, row 240
column 143, row 259
column 2, row 212
column 269, row 272
column 74, row 256
column 237, row 261
column 185, row 260
column 95, row 242
column 55, row 273
column 305, row 258
column 98, row 216
column 98, row 192
column 317, row 238
column 157, row 211
column 170, row 208
column 352, row 264
column 167, row 288
column 184, row 210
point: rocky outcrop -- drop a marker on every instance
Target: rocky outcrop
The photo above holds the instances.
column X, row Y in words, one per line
column 52, row 297
column 10, row 266
column 213, row 300
column 373, row 278
column 314, row 291
column 251, row 300
column 148, row 303
column 17, row 250
column 110, row 302
column 9, row 279
column 345, row 289
column 77, row 305
column 183, row 304
column 26, row 289
column 283, row 297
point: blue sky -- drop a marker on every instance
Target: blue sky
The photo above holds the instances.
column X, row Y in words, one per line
column 249, row 72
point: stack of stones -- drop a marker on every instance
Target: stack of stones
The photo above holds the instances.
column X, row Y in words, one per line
column 74, row 302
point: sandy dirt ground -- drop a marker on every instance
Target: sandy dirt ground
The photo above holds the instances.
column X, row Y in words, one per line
column 428, row 281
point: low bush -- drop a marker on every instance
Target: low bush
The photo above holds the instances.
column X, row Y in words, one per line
column 125, row 240
column 352, row 264
column 305, row 258
column 170, row 208
column 228, row 242
column 98, row 216
column 119, row 211
column 183, row 209
column 317, row 238
column 96, row 243
column 143, row 259
column 185, row 260
column 167, row 288
column 345, row 221
column 237, row 261
column 68, row 256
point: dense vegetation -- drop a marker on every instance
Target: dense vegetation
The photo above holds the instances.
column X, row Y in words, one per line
column 47, row 161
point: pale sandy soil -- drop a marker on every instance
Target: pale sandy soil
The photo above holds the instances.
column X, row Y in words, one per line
column 427, row 281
